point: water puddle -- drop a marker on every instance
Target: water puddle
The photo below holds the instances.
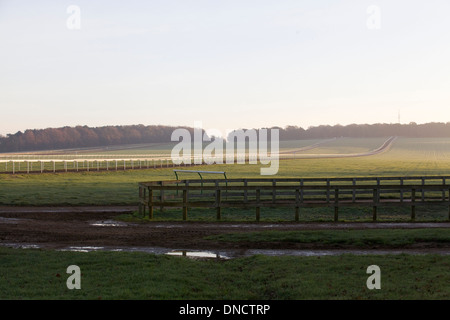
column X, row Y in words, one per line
column 152, row 250
column 10, row 220
column 21, row 245
column 109, row 223
column 197, row 254
column 234, row 253
column 82, row 249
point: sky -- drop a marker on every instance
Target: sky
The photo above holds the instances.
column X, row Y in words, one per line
column 227, row 64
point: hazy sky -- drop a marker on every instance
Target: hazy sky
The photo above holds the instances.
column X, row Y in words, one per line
column 227, row 63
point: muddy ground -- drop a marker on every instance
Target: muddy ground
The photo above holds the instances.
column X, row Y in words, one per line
column 62, row 227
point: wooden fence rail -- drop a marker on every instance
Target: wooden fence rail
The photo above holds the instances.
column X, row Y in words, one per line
column 294, row 193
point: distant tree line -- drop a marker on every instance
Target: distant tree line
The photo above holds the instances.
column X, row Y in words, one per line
column 413, row 130
column 85, row 137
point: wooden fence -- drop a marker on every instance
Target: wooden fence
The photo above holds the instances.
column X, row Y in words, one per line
column 294, row 193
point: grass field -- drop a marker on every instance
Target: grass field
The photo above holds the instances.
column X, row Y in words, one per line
column 406, row 157
column 41, row 274
column 361, row 238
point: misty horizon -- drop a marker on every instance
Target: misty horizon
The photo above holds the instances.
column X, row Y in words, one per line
column 231, row 64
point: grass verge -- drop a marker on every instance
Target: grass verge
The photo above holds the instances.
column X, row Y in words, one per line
column 358, row 238
column 41, row 274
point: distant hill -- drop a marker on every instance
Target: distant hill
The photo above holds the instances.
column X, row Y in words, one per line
column 85, row 137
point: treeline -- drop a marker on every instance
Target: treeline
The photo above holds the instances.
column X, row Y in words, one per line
column 413, row 130
column 85, row 137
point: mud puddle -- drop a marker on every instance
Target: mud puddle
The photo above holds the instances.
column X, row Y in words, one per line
column 10, row 220
column 198, row 254
column 109, row 223
column 233, row 253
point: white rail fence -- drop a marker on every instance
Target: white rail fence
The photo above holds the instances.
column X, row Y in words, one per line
column 43, row 164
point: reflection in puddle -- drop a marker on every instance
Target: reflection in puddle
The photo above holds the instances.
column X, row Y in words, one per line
column 109, row 223
column 197, row 254
column 82, row 249
column 10, row 220
column 21, row 245
column 233, row 253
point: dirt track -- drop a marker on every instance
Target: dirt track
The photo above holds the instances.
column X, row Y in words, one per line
column 383, row 148
column 59, row 228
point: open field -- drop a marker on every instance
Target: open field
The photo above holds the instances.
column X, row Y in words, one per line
column 124, row 275
column 159, row 156
column 405, row 157
column 139, row 275
column 248, row 266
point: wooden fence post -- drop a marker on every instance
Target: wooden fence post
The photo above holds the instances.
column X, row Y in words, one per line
column 354, row 190
column 150, row 203
column 413, row 207
column 443, row 191
column 245, row 191
column 328, row 190
column 375, row 203
column 423, row 193
column 401, row 190
column 141, row 196
column 185, row 208
column 218, row 213
column 161, row 196
column 301, row 190
column 274, row 190
column 336, row 200
column 258, row 209
column 297, row 204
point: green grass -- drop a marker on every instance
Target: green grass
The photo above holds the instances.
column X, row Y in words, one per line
column 407, row 157
column 41, row 274
column 83, row 188
column 358, row 238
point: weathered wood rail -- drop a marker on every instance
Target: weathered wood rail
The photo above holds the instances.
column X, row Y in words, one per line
column 294, row 193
